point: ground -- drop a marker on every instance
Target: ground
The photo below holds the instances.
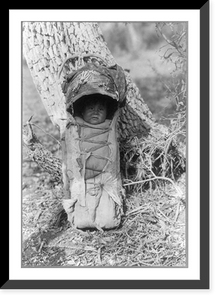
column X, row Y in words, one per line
column 153, row 228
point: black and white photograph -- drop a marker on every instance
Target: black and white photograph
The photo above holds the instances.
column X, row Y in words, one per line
column 105, row 138
column 113, row 143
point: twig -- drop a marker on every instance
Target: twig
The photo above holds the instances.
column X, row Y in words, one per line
column 138, row 209
column 170, row 42
column 177, row 212
column 45, row 132
column 155, row 178
column 166, row 218
column 41, row 246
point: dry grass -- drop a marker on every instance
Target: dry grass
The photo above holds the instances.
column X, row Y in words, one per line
column 151, row 234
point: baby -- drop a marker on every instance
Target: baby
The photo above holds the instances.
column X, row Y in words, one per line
column 95, row 109
column 95, row 112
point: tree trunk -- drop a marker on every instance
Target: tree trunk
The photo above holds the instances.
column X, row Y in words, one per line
column 46, row 45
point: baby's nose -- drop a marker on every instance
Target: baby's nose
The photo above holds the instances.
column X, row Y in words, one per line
column 96, row 109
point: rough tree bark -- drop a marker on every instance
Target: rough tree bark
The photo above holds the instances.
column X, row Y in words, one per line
column 46, row 45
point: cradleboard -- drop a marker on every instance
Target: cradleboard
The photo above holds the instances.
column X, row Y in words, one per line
column 91, row 158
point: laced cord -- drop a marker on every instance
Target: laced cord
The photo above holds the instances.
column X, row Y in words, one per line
column 99, row 144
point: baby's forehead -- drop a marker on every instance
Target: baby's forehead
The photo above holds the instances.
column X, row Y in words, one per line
column 95, row 102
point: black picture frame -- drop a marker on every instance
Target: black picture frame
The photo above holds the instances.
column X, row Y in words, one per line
column 204, row 281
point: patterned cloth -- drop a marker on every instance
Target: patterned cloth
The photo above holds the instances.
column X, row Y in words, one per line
column 95, row 79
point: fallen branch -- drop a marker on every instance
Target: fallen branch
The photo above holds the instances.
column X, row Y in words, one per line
column 179, row 192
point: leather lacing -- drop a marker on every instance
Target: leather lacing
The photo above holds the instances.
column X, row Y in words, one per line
column 98, row 145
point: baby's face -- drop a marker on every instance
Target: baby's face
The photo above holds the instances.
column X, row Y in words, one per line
column 95, row 113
